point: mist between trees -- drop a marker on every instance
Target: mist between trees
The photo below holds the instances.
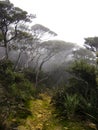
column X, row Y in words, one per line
column 32, row 62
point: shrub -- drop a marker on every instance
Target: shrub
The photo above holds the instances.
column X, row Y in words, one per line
column 71, row 103
column 65, row 104
column 17, row 90
column 81, row 93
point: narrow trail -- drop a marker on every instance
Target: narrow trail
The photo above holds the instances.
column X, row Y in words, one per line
column 44, row 118
column 42, row 115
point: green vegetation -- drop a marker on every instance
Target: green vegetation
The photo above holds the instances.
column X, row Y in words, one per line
column 15, row 92
column 23, row 107
column 45, row 118
column 79, row 98
column 29, row 98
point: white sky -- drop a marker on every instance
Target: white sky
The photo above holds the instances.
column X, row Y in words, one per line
column 72, row 20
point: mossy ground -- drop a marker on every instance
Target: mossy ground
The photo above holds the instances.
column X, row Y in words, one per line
column 43, row 117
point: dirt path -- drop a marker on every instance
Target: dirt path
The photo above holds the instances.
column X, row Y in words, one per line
column 43, row 117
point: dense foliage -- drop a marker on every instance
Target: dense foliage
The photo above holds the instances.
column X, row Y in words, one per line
column 15, row 93
column 80, row 96
column 92, row 43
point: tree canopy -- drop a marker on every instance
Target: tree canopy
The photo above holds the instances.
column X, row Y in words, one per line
column 10, row 19
column 92, row 43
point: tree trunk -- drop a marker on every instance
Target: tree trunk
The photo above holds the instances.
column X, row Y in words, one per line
column 37, row 78
column 6, row 51
column 17, row 62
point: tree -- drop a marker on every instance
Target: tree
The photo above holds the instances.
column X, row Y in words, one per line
column 41, row 33
column 84, row 54
column 40, row 56
column 91, row 43
column 37, row 52
column 80, row 95
column 30, row 42
column 10, row 19
column 16, row 35
column 83, row 81
column 22, row 45
column 45, row 56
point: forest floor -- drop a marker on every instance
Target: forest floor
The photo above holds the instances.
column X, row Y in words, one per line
column 44, row 118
